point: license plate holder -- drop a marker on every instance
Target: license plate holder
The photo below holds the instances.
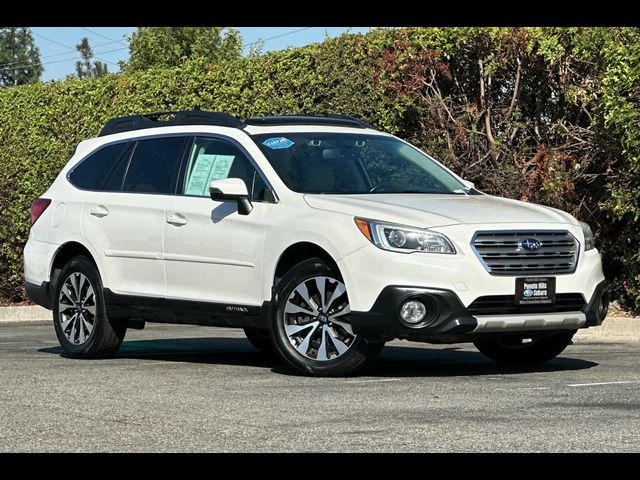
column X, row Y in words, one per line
column 535, row 291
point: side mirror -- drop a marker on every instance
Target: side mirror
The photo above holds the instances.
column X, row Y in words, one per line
column 468, row 184
column 231, row 189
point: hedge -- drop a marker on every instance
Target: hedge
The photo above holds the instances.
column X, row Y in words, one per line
column 541, row 114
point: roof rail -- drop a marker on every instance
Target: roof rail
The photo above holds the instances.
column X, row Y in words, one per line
column 310, row 119
column 152, row 120
column 222, row 119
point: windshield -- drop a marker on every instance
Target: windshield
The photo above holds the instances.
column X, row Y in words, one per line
column 346, row 163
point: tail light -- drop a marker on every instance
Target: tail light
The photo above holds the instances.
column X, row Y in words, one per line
column 38, row 207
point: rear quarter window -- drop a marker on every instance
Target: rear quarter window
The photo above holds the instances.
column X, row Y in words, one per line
column 102, row 170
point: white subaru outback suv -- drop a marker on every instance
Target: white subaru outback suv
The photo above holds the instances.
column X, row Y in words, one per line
column 320, row 236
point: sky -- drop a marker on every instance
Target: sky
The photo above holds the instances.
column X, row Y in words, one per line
column 59, row 56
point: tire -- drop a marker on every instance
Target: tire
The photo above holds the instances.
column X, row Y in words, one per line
column 509, row 349
column 89, row 334
column 260, row 339
column 327, row 347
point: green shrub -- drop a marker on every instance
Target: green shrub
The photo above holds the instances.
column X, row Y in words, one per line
column 567, row 136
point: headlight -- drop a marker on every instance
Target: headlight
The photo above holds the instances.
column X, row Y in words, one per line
column 398, row 238
column 588, row 236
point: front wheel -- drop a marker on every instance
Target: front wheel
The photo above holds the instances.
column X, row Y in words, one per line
column 79, row 314
column 518, row 349
column 311, row 326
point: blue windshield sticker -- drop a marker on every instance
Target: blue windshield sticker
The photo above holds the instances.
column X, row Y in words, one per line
column 277, row 143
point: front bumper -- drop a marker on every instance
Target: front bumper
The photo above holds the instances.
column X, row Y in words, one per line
column 449, row 321
column 368, row 270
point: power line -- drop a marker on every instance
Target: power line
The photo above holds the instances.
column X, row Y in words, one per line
column 25, row 65
column 16, row 65
column 53, row 55
column 276, row 36
column 70, row 48
column 104, row 36
column 53, row 41
column 280, row 35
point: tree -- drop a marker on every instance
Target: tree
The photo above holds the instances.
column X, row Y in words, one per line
column 84, row 68
column 19, row 57
column 172, row 46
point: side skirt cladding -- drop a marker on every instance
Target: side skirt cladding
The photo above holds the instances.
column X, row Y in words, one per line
column 162, row 310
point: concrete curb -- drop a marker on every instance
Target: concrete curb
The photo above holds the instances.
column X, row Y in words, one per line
column 28, row 313
column 613, row 329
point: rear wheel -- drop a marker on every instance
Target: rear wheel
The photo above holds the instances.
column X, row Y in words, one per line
column 519, row 349
column 79, row 313
column 311, row 326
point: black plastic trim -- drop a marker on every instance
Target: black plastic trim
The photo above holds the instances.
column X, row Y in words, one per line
column 151, row 120
column 163, row 310
column 383, row 320
column 591, row 309
column 449, row 322
column 129, row 123
column 506, row 304
column 310, row 119
column 39, row 294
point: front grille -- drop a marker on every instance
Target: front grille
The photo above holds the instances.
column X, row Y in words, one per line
column 506, row 304
column 502, row 252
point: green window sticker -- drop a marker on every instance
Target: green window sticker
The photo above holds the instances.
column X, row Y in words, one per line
column 208, row 167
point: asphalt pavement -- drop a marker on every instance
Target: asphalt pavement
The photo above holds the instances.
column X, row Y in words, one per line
column 189, row 388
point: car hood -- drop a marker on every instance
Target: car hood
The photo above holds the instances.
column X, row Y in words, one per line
column 438, row 210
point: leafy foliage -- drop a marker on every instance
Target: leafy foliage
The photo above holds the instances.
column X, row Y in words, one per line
column 619, row 122
column 19, row 57
column 172, row 46
column 548, row 115
column 84, row 68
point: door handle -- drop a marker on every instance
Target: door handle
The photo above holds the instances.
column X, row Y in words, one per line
column 99, row 211
column 177, row 219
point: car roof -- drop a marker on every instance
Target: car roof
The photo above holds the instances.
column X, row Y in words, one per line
column 91, row 144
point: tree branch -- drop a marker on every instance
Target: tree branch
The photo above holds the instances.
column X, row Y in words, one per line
column 516, row 89
column 487, row 114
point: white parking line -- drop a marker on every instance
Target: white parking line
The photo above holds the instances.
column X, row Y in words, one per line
column 376, row 380
column 603, row 383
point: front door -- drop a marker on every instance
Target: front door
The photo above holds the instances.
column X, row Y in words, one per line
column 211, row 252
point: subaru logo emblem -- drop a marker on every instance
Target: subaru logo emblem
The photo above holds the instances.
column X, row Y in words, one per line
column 530, row 244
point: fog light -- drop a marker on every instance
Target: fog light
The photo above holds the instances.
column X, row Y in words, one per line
column 413, row 312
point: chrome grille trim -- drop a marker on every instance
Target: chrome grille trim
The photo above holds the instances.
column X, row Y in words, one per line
column 501, row 254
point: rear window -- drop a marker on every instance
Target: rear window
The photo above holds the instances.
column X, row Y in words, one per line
column 103, row 169
column 154, row 165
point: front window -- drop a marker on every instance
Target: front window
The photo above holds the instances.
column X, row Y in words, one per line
column 346, row 163
column 216, row 159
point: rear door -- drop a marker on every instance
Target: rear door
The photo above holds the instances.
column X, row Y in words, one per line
column 124, row 223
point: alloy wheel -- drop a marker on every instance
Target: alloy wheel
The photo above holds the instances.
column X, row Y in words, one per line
column 317, row 319
column 77, row 308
